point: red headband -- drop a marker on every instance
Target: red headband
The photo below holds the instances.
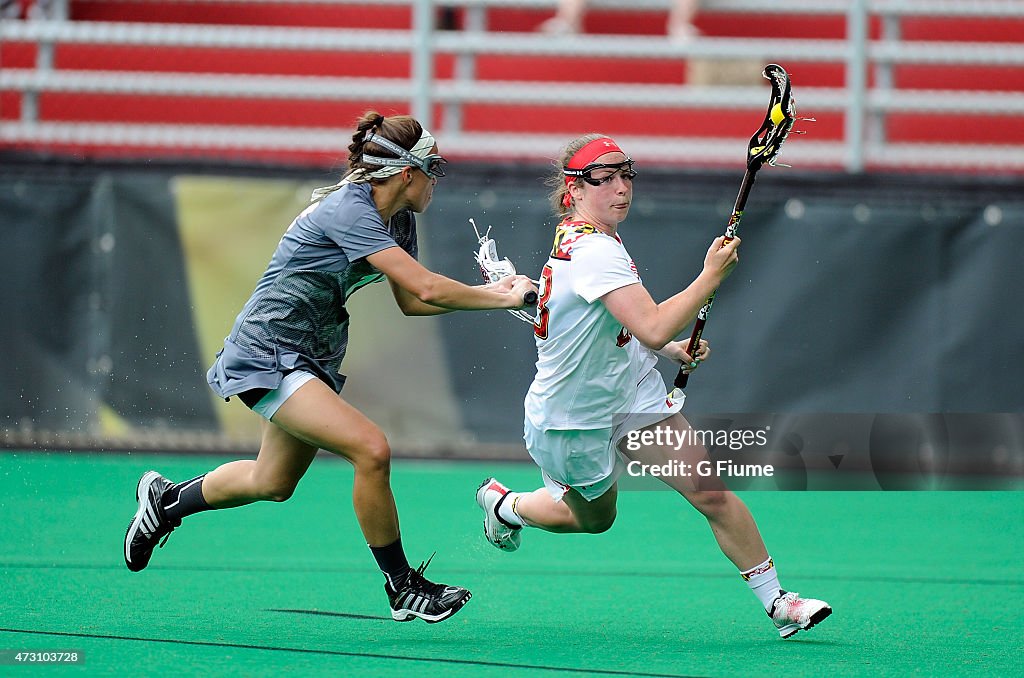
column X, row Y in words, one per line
column 591, row 151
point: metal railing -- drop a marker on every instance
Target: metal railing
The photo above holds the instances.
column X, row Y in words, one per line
column 864, row 108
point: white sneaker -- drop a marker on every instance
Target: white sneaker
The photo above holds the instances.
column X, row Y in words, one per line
column 791, row 613
column 502, row 535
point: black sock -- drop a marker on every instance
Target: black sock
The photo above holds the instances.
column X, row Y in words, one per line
column 184, row 499
column 392, row 562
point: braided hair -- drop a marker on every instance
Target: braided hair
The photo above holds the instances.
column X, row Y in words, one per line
column 404, row 130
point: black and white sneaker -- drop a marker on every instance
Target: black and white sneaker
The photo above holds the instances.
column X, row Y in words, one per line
column 419, row 597
column 149, row 525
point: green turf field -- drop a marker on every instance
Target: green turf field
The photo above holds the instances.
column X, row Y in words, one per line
column 927, row 583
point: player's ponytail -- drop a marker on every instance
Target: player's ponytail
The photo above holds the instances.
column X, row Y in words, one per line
column 371, row 120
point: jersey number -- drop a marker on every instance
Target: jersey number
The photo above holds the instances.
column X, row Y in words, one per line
column 540, row 326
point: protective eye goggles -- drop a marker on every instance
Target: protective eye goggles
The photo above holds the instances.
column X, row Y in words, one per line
column 624, row 168
column 432, row 165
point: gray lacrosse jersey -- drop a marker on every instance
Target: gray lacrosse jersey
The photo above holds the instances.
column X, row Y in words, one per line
column 296, row 317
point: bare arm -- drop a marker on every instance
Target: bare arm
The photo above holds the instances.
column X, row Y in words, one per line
column 410, row 305
column 655, row 325
column 435, row 290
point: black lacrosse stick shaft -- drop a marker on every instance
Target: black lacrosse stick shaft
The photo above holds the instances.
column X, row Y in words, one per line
column 730, row 233
column 764, row 147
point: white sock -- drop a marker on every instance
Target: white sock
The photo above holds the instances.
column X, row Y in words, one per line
column 763, row 580
column 507, row 509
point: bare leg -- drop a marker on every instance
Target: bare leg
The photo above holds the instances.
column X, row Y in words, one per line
column 320, row 417
column 730, row 519
column 315, row 417
column 572, row 514
column 538, row 509
column 281, row 463
column 568, row 18
column 733, row 526
column 680, row 19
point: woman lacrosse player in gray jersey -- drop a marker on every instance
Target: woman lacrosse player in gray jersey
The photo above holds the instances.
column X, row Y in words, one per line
column 287, row 344
column 597, row 332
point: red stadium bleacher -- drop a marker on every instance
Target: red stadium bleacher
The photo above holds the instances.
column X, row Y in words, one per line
column 55, row 106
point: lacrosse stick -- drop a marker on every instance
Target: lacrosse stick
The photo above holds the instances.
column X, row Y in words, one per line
column 493, row 269
column 763, row 148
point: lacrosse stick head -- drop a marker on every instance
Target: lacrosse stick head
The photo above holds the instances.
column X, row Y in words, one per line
column 767, row 141
column 492, row 268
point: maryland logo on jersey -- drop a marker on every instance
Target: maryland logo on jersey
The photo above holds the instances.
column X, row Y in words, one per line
column 566, row 234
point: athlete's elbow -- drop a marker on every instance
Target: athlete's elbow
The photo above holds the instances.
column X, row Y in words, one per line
column 428, row 290
column 417, row 310
column 431, row 296
column 407, row 309
column 653, row 339
column 648, row 329
column 656, row 345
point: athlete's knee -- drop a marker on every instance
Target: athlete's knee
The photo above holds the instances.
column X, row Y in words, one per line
column 598, row 524
column 276, row 489
column 373, row 454
column 711, row 503
column 280, row 494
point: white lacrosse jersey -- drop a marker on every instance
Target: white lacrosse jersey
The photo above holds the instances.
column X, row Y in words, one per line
column 588, row 364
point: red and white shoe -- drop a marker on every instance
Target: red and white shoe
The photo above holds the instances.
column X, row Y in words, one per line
column 791, row 613
column 500, row 534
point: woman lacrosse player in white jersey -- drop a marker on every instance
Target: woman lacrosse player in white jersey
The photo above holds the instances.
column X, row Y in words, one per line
column 598, row 333
column 284, row 352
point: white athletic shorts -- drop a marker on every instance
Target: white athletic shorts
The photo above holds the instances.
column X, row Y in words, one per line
column 269, row 404
column 588, row 461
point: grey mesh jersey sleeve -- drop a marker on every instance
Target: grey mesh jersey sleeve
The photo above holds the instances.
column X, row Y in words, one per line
column 358, row 232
